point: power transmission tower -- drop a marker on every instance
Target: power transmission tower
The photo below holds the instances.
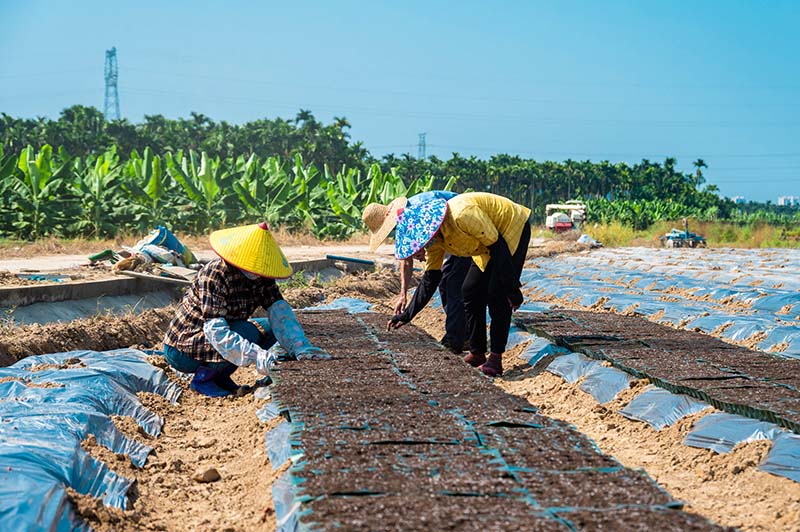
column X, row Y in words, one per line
column 111, row 104
column 421, row 147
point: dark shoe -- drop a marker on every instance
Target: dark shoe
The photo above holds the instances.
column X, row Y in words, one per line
column 224, row 381
column 493, row 366
column 203, row 383
column 475, row 359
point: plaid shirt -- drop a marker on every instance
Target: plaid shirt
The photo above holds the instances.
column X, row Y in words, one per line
column 219, row 291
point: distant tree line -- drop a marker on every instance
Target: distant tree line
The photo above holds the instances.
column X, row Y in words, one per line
column 636, row 194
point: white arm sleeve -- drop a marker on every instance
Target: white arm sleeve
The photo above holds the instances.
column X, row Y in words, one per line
column 234, row 348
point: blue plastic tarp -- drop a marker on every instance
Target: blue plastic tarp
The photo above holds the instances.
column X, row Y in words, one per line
column 571, row 367
column 44, row 417
column 350, row 304
column 784, row 457
column 659, row 408
column 279, row 448
column 287, row 506
column 604, row 383
column 721, row 432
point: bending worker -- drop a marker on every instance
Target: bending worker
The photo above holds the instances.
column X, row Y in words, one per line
column 381, row 220
column 495, row 232
column 211, row 335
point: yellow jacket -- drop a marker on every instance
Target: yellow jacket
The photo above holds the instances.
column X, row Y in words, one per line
column 472, row 223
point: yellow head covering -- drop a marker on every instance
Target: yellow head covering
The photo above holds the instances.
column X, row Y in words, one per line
column 251, row 248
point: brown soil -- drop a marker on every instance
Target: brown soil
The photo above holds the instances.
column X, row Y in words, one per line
column 555, row 247
column 725, row 488
column 147, row 329
column 199, row 432
column 99, row 333
column 375, row 287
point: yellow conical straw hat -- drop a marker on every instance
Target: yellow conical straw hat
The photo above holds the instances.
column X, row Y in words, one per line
column 253, row 249
column 381, row 219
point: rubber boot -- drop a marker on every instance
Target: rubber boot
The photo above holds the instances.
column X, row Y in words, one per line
column 203, row 383
column 493, row 366
column 224, row 380
column 475, row 359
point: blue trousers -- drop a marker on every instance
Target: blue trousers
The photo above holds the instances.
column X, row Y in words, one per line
column 256, row 330
column 454, row 271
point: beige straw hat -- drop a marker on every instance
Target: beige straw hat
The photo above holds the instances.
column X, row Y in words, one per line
column 381, row 219
column 253, row 249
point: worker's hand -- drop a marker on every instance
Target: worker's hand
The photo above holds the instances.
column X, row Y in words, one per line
column 395, row 323
column 402, row 301
column 515, row 298
column 313, row 353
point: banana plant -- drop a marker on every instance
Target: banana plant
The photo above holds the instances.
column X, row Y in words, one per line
column 8, row 167
column 39, row 198
column 205, row 181
column 95, row 183
column 147, row 185
column 265, row 191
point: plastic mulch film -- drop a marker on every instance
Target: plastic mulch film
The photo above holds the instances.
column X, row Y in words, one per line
column 687, row 291
column 516, row 336
column 660, row 408
column 44, row 417
column 268, row 412
column 786, row 336
column 287, row 505
column 279, row 448
column 350, row 304
column 721, row 432
column 538, row 349
column 784, row 457
column 604, row 383
column 572, row 367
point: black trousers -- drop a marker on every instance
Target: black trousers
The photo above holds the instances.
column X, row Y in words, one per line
column 454, row 272
column 477, row 299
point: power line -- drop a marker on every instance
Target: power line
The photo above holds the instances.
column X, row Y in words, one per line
column 533, row 121
column 451, row 96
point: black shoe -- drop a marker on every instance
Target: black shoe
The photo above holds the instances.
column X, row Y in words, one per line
column 224, row 381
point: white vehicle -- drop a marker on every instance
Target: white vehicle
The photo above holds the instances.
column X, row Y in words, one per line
column 565, row 216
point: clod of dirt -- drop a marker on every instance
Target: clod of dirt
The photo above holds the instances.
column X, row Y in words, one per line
column 204, row 475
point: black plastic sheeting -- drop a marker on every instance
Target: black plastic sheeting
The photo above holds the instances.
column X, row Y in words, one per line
column 660, row 408
column 44, row 417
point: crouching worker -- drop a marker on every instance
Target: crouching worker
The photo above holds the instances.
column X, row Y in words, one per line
column 212, row 333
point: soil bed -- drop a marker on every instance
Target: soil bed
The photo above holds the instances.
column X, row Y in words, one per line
column 429, row 415
column 731, row 378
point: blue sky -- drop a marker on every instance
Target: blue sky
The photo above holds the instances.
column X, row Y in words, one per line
column 615, row 80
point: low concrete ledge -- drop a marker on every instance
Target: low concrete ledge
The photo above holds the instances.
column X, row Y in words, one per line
column 20, row 296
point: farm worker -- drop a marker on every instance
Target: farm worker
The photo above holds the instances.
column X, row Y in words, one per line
column 495, row 232
column 212, row 333
column 381, row 220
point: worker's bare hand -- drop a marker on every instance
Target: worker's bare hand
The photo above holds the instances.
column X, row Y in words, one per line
column 400, row 306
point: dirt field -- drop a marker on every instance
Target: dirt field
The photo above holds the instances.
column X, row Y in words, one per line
column 225, row 434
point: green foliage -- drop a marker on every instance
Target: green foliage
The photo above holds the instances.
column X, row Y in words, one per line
column 99, row 196
column 94, row 181
column 38, row 194
column 196, row 174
